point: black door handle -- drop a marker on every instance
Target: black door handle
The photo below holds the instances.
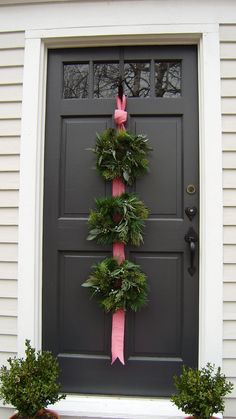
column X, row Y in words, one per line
column 191, row 238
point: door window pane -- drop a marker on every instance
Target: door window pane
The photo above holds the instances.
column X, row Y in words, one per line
column 137, row 79
column 105, row 79
column 168, row 79
column 75, row 80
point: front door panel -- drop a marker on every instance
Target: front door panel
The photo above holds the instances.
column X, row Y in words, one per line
column 161, row 89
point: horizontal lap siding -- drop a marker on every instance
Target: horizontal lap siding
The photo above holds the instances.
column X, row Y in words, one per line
column 11, row 78
column 228, row 106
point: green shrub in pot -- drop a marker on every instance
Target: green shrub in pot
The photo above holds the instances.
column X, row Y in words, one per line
column 201, row 392
column 30, row 384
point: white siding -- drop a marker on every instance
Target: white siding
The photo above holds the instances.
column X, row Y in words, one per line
column 11, row 76
column 228, row 93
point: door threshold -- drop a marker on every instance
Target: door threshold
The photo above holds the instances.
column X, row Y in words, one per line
column 115, row 407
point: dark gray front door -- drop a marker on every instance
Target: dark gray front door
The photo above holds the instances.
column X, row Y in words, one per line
column 161, row 87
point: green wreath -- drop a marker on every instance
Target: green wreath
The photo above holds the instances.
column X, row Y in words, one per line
column 117, row 286
column 118, row 219
column 121, row 154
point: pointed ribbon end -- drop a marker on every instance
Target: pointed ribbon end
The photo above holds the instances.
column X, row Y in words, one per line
column 117, row 337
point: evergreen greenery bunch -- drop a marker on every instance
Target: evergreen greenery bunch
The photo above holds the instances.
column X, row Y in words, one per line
column 118, row 219
column 118, row 286
column 121, row 154
column 30, row 384
column 201, row 392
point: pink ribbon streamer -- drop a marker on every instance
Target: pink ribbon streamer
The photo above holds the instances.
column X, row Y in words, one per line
column 117, row 341
column 119, row 252
column 118, row 187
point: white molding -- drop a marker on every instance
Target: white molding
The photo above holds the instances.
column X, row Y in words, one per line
column 31, row 197
column 147, row 32
column 29, row 256
column 211, row 202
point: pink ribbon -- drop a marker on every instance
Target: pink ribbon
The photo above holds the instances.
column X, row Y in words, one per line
column 118, row 187
column 117, row 340
column 118, row 318
column 120, row 115
column 119, row 251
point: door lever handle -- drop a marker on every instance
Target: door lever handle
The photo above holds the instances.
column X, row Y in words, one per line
column 191, row 238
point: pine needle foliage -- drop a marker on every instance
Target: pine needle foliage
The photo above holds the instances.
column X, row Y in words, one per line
column 118, row 286
column 30, row 384
column 201, row 392
column 121, row 154
column 118, row 219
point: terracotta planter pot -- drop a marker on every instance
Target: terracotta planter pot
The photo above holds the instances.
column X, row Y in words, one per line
column 42, row 414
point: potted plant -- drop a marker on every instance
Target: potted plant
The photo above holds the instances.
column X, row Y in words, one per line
column 30, row 384
column 201, row 393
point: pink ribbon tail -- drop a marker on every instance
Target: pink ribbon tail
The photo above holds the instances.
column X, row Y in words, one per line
column 119, row 251
column 117, row 337
column 118, row 187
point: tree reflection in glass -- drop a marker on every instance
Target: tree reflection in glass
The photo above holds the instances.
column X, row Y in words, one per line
column 105, row 79
column 75, row 81
column 168, row 79
column 137, row 79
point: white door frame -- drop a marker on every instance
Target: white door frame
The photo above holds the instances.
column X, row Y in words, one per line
column 206, row 36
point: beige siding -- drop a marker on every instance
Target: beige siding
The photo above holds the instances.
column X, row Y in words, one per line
column 11, row 77
column 228, row 106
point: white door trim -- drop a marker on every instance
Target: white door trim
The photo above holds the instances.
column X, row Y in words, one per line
column 31, row 193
